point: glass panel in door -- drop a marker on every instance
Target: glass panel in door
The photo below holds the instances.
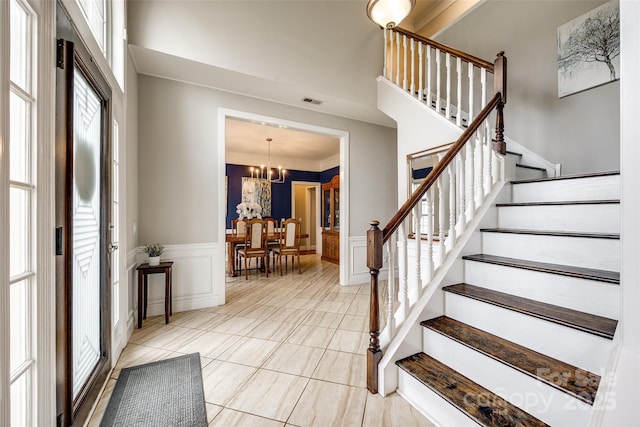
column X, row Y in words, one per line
column 326, row 210
column 86, row 259
column 336, row 209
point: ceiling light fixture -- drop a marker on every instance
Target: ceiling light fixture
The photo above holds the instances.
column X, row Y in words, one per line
column 266, row 173
column 389, row 13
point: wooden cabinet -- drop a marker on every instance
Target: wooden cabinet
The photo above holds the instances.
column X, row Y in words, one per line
column 331, row 220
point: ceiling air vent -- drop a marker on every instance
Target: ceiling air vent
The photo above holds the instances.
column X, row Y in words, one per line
column 312, row 101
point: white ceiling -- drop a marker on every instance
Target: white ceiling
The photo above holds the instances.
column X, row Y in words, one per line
column 282, row 51
column 246, row 142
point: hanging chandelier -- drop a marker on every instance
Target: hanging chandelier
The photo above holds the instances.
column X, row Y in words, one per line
column 389, row 13
column 267, row 173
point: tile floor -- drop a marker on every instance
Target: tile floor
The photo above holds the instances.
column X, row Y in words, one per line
column 284, row 350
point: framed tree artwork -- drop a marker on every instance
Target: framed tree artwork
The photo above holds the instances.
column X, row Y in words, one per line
column 257, row 190
column 589, row 50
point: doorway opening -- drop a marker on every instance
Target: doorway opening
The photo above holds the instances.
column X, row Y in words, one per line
column 342, row 160
column 305, row 205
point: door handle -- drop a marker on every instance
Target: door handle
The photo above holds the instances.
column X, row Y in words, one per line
column 113, row 247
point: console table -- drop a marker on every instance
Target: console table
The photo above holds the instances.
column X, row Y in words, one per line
column 143, row 271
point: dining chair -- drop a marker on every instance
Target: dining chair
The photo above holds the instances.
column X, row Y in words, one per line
column 273, row 235
column 289, row 243
column 255, row 245
column 238, row 229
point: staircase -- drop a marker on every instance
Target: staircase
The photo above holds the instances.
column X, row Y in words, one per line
column 525, row 339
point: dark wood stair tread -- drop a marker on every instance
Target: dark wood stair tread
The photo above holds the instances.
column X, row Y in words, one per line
column 558, row 178
column 590, row 323
column 562, row 270
column 560, row 203
column 577, row 382
column 475, row 401
column 520, row 165
column 552, row 233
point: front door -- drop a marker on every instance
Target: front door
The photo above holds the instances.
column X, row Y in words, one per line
column 82, row 221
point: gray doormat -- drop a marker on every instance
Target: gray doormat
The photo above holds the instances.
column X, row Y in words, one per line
column 167, row 393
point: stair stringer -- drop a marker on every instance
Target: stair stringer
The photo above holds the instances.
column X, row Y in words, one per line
column 533, row 159
column 408, row 338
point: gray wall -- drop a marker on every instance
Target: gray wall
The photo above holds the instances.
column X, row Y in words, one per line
column 580, row 131
column 131, row 153
column 178, row 128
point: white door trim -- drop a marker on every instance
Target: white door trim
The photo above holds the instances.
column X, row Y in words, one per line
column 317, row 231
column 223, row 113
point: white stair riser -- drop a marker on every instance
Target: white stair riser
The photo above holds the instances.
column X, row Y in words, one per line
column 430, row 404
column 590, row 188
column 581, row 349
column 594, row 218
column 526, row 173
column 601, row 254
column 544, row 402
column 589, row 296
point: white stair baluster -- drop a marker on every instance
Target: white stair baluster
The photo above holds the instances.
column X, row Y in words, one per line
column 438, row 81
column 403, row 298
column 486, row 135
column 429, row 254
column 441, row 216
column 413, row 67
column 470, row 75
column 391, row 284
column 398, row 59
column 385, row 53
column 452, row 203
column 448, row 105
column 420, row 72
column 414, row 292
column 480, row 162
column 459, row 94
column 428, row 84
column 404, row 63
column 390, row 58
column 462, row 195
column 471, row 206
column 488, row 174
column 483, row 86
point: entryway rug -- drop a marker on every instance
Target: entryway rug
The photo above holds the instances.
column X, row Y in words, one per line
column 167, row 393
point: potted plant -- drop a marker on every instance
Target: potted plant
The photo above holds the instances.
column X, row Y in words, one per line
column 154, row 250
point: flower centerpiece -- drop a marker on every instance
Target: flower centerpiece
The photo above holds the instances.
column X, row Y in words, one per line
column 154, row 250
column 249, row 210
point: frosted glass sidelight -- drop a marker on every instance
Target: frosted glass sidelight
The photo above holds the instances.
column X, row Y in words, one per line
column 86, row 262
column 19, row 233
column 19, row 110
column 20, row 393
column 19, row 48
column 19, row 317
column 95, row 14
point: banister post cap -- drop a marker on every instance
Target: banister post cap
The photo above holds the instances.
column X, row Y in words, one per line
column 501, row 53
column 375, row 223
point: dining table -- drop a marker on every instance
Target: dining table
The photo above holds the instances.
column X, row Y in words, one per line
column 234, row 240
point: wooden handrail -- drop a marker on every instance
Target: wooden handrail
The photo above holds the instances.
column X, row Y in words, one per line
column 433, row 176
column 454, row 52
column 376, row 238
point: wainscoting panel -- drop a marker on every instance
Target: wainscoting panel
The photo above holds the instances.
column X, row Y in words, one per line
column 359, row 272
column 196, row 281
